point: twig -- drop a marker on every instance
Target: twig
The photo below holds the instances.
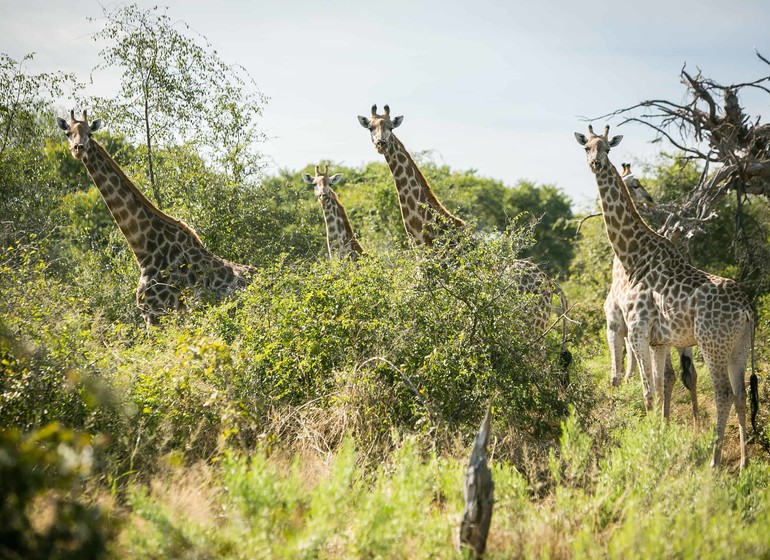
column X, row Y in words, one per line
column 580, row 224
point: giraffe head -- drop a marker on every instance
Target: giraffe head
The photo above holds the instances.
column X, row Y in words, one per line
column 637, row 190
column 322, row 183
column 78, row 133
column 598, row 147
column 381, row 127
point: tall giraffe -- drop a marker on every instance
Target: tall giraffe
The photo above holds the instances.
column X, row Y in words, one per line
column 169, row 253
column 624, row 300
column 421, row 211
column 691, row 306
column 340, row 239
column 424, row 216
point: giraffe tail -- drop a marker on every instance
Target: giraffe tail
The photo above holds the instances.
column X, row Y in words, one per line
column 688, row 370
column 754, row 388
column 565, row 356
column 753, row 380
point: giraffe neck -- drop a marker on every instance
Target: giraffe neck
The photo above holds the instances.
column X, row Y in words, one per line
column 418, row 203
column 140, row 221
column 646, row 256
column 340, row 239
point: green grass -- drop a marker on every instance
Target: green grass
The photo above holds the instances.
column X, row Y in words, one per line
column 651, row 495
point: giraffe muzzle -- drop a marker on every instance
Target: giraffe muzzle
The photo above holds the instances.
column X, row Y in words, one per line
column 78, row 150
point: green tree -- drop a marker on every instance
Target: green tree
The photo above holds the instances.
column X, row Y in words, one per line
column 28, row 183
column 175, row 89
column 491, row 206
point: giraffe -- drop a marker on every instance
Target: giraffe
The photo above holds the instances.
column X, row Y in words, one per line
column 340, row 239
column 169, row 253
column 638, row 192
column 421, row 211
column 624, row 300
column 689, row 307
column 424, row 217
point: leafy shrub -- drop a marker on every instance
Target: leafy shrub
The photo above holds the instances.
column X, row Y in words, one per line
column 43, row 470
column 408, row 339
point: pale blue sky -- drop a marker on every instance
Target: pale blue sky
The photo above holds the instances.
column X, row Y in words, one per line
column 495, row 86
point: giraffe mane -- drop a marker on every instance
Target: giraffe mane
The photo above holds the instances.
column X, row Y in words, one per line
column 140, row 195
column 634, row 212
column 435, row 203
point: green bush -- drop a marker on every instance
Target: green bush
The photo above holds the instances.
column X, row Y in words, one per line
column 40, row 474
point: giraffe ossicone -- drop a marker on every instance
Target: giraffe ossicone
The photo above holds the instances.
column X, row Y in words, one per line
column 170, row 255
column 341, row 240
column 692, row 307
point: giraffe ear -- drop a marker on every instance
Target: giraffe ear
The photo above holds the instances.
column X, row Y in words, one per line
column 581, row 139
column 397, row 121
column 62, row 123
column 616, row 140
column 336, row 178
column 96, row 125
column 364, row 121
column 307, row 178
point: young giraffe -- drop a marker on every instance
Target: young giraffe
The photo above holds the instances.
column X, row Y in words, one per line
column 340, row 239
column 623, row 301
column 423, row 216
column 169, row 253
column 690, row 306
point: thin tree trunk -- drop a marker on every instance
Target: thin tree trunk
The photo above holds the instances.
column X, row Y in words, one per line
column 155, row 191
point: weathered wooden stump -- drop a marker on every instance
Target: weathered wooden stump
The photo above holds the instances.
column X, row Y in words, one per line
column 479, row 493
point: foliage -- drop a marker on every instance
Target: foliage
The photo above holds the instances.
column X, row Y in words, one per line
column 494, row 206
column 251, row 223
column 419, row 339
column 27, row 182
column 177, row 91
column 43, row 516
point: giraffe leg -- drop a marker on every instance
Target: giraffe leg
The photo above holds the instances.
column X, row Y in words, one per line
column 631, row 365
column 664, row 376
column 737, row 372
column 616, row 333
column 724, row 398
column 739, row 396
column 723, row 395
column 641, row 349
